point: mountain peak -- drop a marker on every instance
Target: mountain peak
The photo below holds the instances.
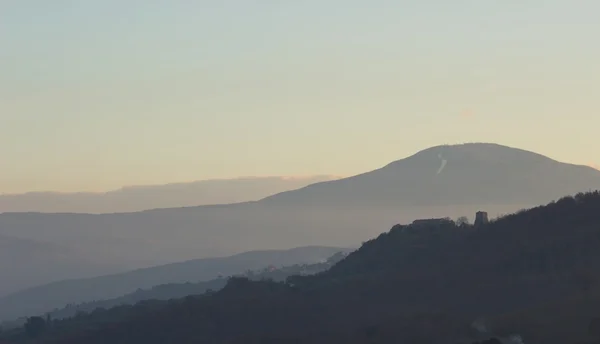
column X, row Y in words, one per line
column 481, row 151
column 470, row 173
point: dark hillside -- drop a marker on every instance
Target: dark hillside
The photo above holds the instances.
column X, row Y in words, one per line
column 44, row 298
column 414, row 284
column 572, row 316
column 439, row 181
column 522, row 258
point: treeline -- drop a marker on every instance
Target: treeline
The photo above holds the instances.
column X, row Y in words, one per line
column 179, row 290
column 410, row 285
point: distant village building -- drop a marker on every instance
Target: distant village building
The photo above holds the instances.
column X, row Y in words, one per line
column 432, row 222
column 481, row 218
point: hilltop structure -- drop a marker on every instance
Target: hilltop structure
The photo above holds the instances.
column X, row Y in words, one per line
column 432, row 222
column 481, row 218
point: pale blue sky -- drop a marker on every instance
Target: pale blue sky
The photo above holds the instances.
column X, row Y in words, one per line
column 99, row 94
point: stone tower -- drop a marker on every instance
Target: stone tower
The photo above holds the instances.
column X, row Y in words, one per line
column 481, row 218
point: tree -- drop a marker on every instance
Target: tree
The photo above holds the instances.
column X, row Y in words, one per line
column 35, row 326
column 462, row 221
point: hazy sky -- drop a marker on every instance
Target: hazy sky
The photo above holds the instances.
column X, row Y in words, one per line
column 103, row 93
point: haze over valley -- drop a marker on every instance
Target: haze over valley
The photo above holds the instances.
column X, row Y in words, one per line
column 47, row 297
column 139, row 198
column 340, row 213
column 302, row 172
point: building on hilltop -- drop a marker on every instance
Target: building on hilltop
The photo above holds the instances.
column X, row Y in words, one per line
column 432, row 222
column 481, row 218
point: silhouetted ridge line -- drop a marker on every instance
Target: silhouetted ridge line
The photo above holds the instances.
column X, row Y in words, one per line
column 413, row 284
column 470, row 174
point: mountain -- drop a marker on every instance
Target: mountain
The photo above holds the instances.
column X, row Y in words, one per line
column 139, row 198
column 478, row 173
column 179, row 290
column 340, row 213
column 426, row 283
column 26, row 262
column 45, row 298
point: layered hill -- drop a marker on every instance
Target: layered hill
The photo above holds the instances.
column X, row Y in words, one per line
column 140, row 198
column 180, row 290
column 413, row 284
column 45, row 298
column 439, row 181
column 29, row 262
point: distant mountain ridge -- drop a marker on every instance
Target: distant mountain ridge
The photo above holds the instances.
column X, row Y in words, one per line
column 443, row 181
column 180, row 290
column 474, row 173
column 47, row 297
column 535, row 272
column 28, row 262
column 145, row 197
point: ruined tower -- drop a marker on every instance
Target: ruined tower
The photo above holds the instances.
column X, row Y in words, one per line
column 481, row 218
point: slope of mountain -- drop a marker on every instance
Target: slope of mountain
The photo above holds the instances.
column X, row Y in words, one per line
column 414, row 284
column 461, row 174
column 139, row 198
column 48, row 297
column 26, row 262
column 180, row 290
column 571, row 316
column 340, row 213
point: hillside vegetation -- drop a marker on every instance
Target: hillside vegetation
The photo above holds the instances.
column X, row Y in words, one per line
column 179, row 290
column 44, row 298
column 423, row 284
column 451, row 180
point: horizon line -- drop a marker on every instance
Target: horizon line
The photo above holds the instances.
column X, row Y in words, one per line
column 196, row 181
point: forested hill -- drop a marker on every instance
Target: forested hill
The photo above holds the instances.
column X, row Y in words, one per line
column 559, row 237
column 44, row 298
column 180, row 290
column 438, row 181
column 413, row 284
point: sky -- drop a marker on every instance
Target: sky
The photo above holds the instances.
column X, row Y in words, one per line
column 95, row 95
